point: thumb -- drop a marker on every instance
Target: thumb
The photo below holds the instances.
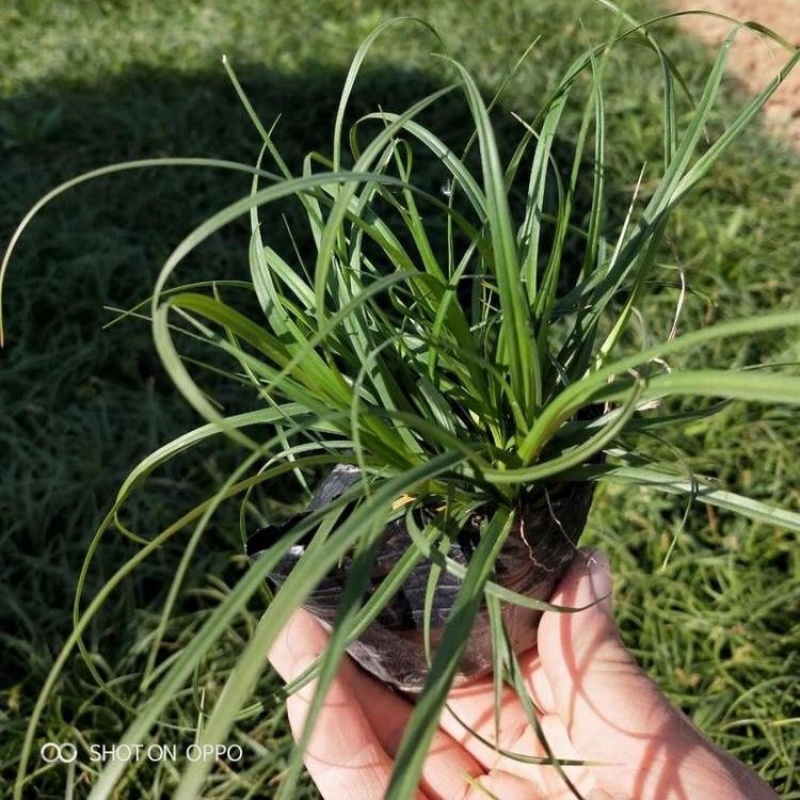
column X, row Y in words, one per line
column 601, row 695
column 614, row 714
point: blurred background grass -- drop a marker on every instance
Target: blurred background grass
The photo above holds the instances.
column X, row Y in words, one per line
column 84, row 85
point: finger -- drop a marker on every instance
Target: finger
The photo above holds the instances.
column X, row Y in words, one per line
column 470, row 709
column 448, row 765
column 505, row 785
column 344, row 756
column 474, row 704
column 383, row 711
column 609, row 707
column 511, row 747
column 302, row 639
column 611, row 710
column 471, row 719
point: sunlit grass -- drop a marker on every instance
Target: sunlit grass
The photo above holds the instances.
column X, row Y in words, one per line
column 691, row 627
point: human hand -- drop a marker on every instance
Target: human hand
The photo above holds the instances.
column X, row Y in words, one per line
column 597, row 706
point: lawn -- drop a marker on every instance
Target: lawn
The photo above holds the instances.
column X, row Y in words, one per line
column 708, row 601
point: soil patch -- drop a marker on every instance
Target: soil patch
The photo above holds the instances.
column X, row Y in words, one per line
column 755, row 59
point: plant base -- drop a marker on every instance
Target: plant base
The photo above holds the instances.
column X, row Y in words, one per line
column 535, row 556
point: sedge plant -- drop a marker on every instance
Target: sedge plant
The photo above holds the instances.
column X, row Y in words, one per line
column 462, row 346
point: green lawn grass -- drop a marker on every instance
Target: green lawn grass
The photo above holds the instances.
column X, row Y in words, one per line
column 88, row 84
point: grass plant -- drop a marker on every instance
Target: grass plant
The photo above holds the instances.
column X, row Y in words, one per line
column 418, row 356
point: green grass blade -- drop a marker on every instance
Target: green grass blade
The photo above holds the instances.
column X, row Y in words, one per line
column 519, row 354
column 676, row 484
column 113, row 169
column 424, row 720
column 582, row 392
column 297, row 587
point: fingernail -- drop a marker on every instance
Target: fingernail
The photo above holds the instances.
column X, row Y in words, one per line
column 600, row 578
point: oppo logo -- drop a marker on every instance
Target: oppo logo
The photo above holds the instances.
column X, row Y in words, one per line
column 54, row 753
